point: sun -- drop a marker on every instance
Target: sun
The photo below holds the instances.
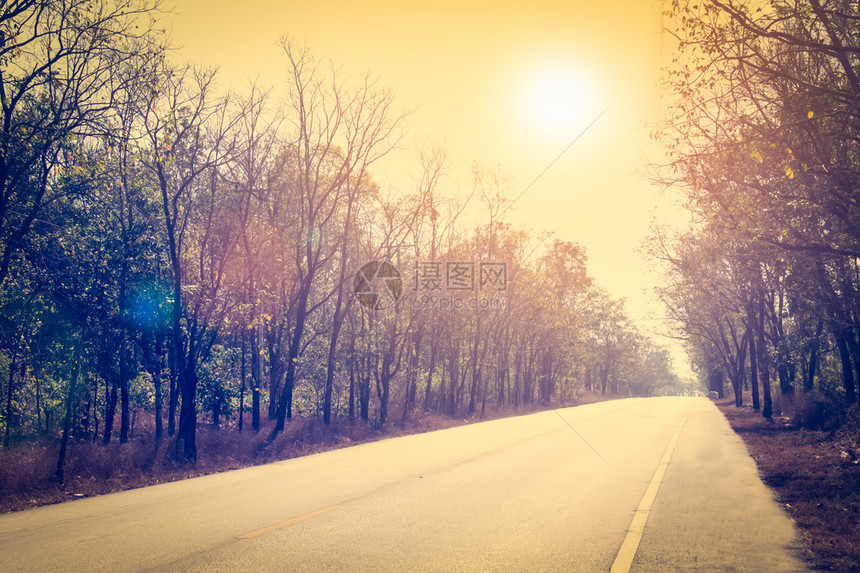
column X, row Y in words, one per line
column 559, row 98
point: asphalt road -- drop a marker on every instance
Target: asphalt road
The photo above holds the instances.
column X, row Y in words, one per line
column 659, row 484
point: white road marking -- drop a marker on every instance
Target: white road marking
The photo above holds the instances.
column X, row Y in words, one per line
column 625, row 556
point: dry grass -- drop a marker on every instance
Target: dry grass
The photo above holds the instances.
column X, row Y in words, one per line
column 816, row 475
column 93, row 469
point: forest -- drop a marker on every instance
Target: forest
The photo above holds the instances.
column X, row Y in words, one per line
column 762, row 135
column 173, row 254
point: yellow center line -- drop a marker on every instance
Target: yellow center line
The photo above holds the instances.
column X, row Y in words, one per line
column 625, row 556
column 289, row 522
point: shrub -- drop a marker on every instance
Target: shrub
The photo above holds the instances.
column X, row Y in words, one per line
column 817, row 411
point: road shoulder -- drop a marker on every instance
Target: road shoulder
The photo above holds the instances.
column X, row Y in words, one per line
column 713, row 513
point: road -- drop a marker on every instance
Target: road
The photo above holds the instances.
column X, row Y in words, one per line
column 657, row 484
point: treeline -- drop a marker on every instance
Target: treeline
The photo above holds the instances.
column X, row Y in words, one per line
column 178, row 254
column 763, row 136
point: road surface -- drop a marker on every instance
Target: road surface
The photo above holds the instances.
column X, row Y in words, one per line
column 657, row 484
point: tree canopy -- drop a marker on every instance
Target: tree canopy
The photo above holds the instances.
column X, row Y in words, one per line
column 168, row 248
column 763, row 137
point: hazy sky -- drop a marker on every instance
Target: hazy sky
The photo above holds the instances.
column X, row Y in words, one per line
column 503, row 83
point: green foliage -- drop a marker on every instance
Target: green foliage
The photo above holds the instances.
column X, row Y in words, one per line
column 217, row 390
column 204, row 245
column 763, row 138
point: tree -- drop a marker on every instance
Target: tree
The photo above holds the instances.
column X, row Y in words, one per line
column 189, row 133
column 58, row 81
column 762, row 136
column 337, row 134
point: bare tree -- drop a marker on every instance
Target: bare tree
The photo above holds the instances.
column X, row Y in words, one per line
column 338, row 134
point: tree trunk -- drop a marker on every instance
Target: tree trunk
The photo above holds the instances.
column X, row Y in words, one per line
column 738, row 387
column 411, row 378
column 767, row 410
column 255, row 408
column 854, row 350
column 439, row 404
column 275, row 370
column 383, row 386
column 59, row 475
column 37, row 375
column 124, row 378
column 216, row 410
column 12, row 365
column 243, row 376
column 110, row 409
column 285, row 404
column 518, row 378
column 351, row 392
column 476, row 370
column 845, row 359
column 256, row 378
column 124, row 350
column 331, row 361
column 754, row 373
column 172, row 398
column 364, row 390
column 763, row 367
column 453, row 371
column 604, row 378
column 157, row 363
column 809, row 383
column 501, row 367
column 383, row 399
column 186, row 436
column 430, row 369
column 716, row 379
column 186, row 371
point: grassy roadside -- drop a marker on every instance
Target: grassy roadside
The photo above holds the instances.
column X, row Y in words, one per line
column 94, row 469
column 816, row 476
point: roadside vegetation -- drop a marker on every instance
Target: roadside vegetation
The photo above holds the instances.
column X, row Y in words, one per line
column 192, row 280
column 762, row 137
column 26, row 473
column 764, row 288
column 816, row 477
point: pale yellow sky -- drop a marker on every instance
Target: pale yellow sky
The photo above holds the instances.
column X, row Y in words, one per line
column 467, row 68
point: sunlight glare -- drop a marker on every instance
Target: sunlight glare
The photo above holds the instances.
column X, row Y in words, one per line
column 558, row 98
